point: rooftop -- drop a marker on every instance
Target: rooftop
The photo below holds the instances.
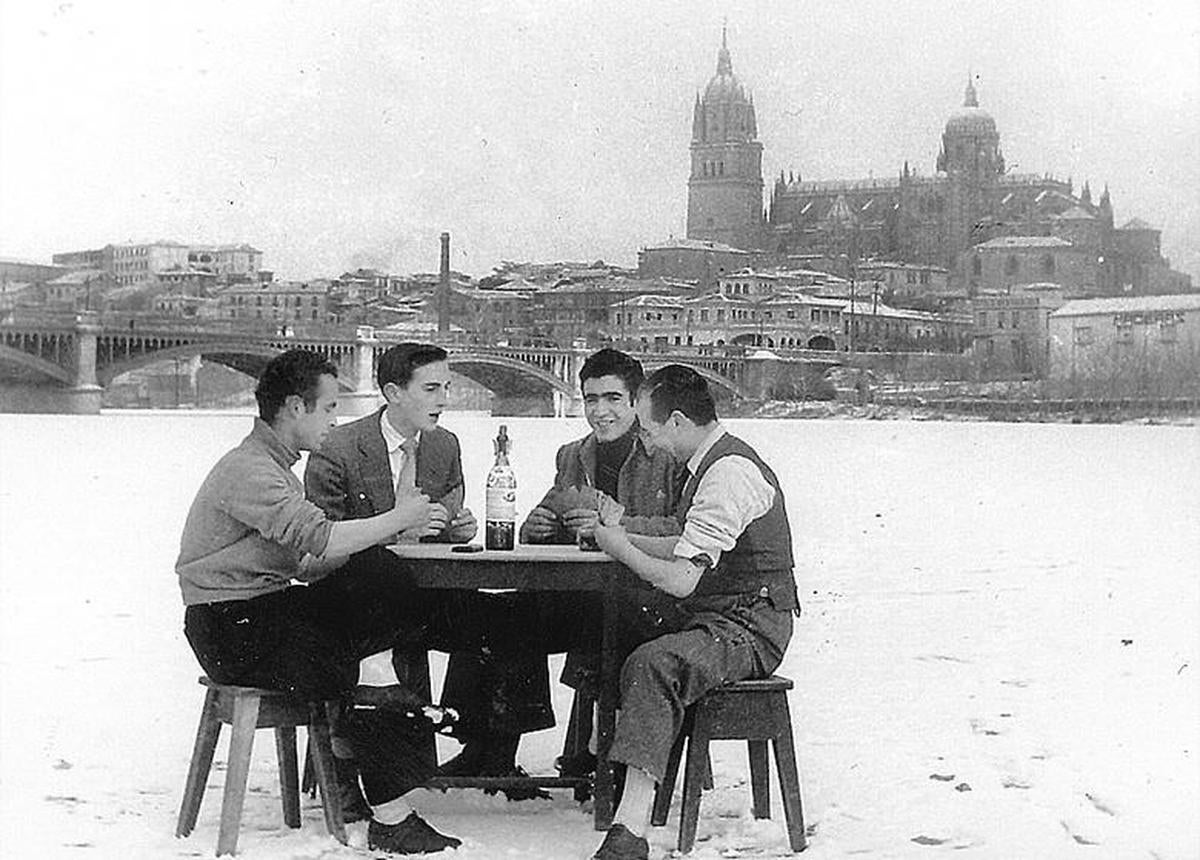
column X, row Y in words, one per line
column 1126, row 304
column 1025, row 242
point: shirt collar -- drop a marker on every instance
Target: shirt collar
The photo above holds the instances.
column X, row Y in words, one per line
column 279, row 450
column 392, row 437
column 711, row 439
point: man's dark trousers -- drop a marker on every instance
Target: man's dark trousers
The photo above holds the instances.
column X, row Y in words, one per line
column 308, row 640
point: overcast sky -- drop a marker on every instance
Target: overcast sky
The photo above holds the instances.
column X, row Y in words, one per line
column 336, row 134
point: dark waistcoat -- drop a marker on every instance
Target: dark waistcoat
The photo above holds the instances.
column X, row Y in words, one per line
column 761, row 560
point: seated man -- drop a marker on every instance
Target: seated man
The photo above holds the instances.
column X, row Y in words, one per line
column 358, row 472
column 730, row 574
column 250, row 533
column 615, row 460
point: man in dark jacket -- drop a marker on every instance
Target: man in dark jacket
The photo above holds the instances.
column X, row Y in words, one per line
column 358, row 471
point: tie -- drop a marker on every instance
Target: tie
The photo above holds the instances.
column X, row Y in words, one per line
column 408, row 469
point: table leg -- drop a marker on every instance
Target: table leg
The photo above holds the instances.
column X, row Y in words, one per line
column 606, row 713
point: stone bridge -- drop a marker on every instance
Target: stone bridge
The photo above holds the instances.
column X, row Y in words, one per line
column 64, row 366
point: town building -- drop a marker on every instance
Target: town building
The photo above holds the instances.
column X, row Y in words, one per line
column 1136, row 339
column 278, row 301
column 999, row 263
column 133, row 263
column 700, row 261
column 906, row 280
column 579, row 312
column 230, row 263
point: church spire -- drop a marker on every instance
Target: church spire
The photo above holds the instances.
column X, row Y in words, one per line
column 969, row 97
column 724, row 64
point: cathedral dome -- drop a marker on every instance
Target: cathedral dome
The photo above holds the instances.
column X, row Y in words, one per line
column 970, row 119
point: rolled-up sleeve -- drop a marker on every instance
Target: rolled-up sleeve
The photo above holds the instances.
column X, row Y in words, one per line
column 268, row 503
column 731, row 494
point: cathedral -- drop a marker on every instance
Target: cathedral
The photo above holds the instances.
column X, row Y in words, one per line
column 933, row 219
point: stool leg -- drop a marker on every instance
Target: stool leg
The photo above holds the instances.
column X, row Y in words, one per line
column 321, row 748
column 308, row 782
column 760, row 778
column 662, row 794
column 693, row 780
column 789, row 777
column 202, row 755
column 289, row 788
column 241, row 743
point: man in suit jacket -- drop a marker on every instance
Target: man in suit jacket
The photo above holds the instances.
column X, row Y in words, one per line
column 354, row 475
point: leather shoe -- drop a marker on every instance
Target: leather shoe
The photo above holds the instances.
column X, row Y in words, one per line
column 620, row 844
column 411, row 836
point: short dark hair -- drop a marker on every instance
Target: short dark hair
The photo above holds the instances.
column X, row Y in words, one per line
column 400, row 362
column 297, row 371
column 613, row 362
column 677, row 387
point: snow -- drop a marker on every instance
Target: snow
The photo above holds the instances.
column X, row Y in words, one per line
column 998, row 652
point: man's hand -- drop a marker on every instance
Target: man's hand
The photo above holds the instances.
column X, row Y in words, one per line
column 541, row 524
column 439, row 519
column 413, row 512
column 581, row 521
column 611, row 510
column 612, row 539
column 463, row 527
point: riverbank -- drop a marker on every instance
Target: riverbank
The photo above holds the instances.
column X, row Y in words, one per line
column 1005, row 411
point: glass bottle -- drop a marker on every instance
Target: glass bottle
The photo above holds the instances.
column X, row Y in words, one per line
column 500, row 519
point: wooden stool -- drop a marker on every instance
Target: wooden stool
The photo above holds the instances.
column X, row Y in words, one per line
column 755, row 710
column 246, row 709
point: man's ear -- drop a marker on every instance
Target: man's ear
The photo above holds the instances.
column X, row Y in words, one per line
column 294, row 403
column 390, row 391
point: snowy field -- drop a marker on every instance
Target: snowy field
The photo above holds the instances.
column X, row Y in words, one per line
column 998, row 656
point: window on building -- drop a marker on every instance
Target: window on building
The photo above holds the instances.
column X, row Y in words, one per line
column 1168, row 332
column 1083, row 335
column 1016, row 319
column 977, row 265
column 704, row 315
column 1012, row 265
column 1048, row 264
column 983, row 319
column 999, row 319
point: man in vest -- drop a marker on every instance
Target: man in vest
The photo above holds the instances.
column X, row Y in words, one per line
column 729, row 574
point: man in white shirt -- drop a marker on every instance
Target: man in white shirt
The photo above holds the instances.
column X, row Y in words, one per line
column 727, row 590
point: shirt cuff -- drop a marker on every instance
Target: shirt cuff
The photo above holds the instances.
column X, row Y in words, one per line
column 686, row 549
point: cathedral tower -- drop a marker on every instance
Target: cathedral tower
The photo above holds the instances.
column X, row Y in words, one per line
column 725, row 187
column 971, row 160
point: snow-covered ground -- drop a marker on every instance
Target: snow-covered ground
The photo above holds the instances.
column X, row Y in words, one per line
column 998, row 652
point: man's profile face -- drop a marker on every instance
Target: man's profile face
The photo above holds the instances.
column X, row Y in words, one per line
column 312, row 425
column 608, row 407
column 657, row 435
column 418, row 405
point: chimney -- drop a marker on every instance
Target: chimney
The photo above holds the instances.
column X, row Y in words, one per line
column 443, row 294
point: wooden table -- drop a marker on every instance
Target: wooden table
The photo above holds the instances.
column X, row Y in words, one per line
column 537, row 568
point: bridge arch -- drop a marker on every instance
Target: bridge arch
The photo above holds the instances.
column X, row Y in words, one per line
column 41, row 368
column 243, row 356
column 490, row 370
column 713, row 378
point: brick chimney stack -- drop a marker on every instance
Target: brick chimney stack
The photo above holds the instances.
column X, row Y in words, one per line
column 443, row 294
